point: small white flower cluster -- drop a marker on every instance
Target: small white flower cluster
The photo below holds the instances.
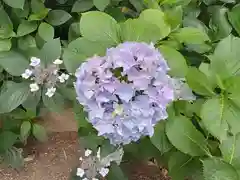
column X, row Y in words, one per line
column 47, row 76
column 93, row 166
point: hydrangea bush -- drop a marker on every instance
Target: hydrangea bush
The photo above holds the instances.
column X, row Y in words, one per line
column 155, row 80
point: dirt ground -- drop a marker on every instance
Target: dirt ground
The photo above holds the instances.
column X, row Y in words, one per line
column 55, row 159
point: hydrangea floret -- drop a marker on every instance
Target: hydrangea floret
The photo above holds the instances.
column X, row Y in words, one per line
column 44, row 76
column 127, row 92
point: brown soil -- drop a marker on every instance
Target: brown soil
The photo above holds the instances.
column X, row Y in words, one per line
column 55, row 159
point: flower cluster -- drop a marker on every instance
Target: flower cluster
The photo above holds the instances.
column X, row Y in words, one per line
column 93, row 167
column 126, row 92
column 47, row 76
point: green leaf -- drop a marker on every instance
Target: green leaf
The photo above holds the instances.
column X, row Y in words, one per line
column 219, row 24
column 234, row 17
column 175, row 2
column 51, row 51
column 32, row 101
column 13, row 96
column 157, row 17
column 25, row 130
column 159, row 139
column 8, row 139
column 200, row 85
column 10, row 60
column 6, row 26
column 175, row 60
column 78, row 51
column 40, row 15
column 181, row 166
column 190, row 35
column 227, row 54
column 138, row 4
column 39, row 132
column 5, row 44
column 74, row 32
column 58, row 17
column 116, row 173
column 140, row 31
column 174, row 17
column 230, row 149
column 82, row 5
column 26, row 42
column 107, row 27
column 26, row 27
column 187, row 138
column 55, row 103
column 214, row 169
column 220, row 117
column 13, row 157
column 101, row 5
column 46, row 31
column 15, row 4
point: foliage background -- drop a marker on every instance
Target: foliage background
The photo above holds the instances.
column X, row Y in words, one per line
column 198, row 38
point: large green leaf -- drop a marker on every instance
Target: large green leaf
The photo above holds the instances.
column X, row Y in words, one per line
column 39, row 132
column 46, row 31
column 159, row 139
column 78, row 51
column 5, row 44
column 187, row 138
column 234, row 17
column 175, row 60
column 107, row 27
column 54, row 103
column 8, row 139
column 6, row 26
column 82, row 5
column 219, row 24
column 10, row 60
column 101, row 5
column 201, row 84
column 51, row 51
column 58, row 17
column 25, row 130
column 174, row 17
column 212, row 115
column 26, row 27
column 140, row 31
column 116, row 173
column 230, row 149
column 181, row 166
column 157, row 17
column 216, row 169
column 26, row 42
column 227, row 55
column 15, row 4
column 13, row 96
column 190, row 35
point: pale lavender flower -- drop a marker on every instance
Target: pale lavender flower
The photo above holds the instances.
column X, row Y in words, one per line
column 126, row 92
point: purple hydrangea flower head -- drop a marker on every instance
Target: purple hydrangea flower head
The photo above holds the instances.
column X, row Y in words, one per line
column 126, row 92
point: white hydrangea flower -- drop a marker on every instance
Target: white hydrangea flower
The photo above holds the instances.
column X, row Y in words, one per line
column 35, row 61
column 58, row 62
column 95, row 179
column 104, row 171
column 34, row 87
column 50, row 91
column 85, row 179
column 88, row 152
column 80, row 172
column 27, row 74
column 63, row 77
column 80, row 159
